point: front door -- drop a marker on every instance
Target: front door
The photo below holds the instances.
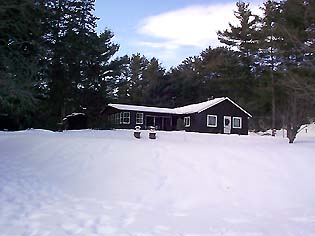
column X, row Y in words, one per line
column 149, row 121
column 227, row 124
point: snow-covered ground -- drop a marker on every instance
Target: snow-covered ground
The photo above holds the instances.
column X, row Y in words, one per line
column 182, row 184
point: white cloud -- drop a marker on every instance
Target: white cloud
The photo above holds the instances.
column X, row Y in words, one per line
column 193, row 26
column 165, row 45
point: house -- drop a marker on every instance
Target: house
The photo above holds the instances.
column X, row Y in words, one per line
column 218, row 115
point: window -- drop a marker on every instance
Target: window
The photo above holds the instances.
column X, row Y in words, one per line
column 212, row 120
column 237, row 122
column 139, row 118
column 126, row 117
column 187, row 121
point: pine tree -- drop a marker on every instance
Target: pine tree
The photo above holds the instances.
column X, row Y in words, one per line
column 154, row 84
column 19, row 34
column 78, row 60
column 133, row 90
column 296, row 53
column 243, row 37
column 185, row 82
column 268, row 42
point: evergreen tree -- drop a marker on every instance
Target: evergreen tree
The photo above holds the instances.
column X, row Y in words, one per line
column 297, row 67
column 220, row 73
column 155, row 83
column 269, row 41
column 132, row 83
column 243, row 37
column 78, row 61
column 185, row 82
column 19, row 34
column 143, row 82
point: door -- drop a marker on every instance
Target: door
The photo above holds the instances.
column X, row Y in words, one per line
column 149, row 121
column 227, row 124
column 167, row 123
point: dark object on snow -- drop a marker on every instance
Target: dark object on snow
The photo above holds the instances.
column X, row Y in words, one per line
column 137, row 132
column 7, row 123
column 75, row 121
column 152, row 133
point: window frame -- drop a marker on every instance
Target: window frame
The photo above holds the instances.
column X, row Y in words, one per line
column 216, row 121
column 240, row 119
column 121, row 118
column 141, row 118
column 126, row 117
column 187, row 118
column 116, row 118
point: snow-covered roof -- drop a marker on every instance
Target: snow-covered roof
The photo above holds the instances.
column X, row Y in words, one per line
column 199, row 107
column 74, row 114
column 141, row 108
column 189, row 109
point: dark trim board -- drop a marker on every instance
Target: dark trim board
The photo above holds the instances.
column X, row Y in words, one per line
column 220, row 115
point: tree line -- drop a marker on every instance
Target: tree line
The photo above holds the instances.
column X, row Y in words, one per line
column 53, row 63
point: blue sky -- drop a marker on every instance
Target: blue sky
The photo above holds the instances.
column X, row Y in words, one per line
column 170, row 30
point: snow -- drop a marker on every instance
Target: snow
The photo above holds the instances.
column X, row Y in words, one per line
column 193, row 108
column 75, row 114
column 181, row 184
column 199, row 106
column 141, row 108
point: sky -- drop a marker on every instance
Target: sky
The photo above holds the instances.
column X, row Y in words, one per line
column 170, row 30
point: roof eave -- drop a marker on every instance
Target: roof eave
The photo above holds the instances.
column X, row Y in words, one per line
column 226, row 98
column 239, row 107
column 211, row 105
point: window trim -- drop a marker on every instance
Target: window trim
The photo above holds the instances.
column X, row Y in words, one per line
column 187, row 118
column 121, row 118
column 116, row 118
column 216, row 121
column 126, row 117
column 240, row 119
column 141, row 119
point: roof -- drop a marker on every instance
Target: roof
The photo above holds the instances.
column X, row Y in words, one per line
column 189, row 109
column 73, row 114
column 141, row 108
column 199, row 107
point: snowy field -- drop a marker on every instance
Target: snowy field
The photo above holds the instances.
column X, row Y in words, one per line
column 94, row 183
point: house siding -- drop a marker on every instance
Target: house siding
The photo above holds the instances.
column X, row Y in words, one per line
column 168, row 123
column 194, row 120
column 225, row 108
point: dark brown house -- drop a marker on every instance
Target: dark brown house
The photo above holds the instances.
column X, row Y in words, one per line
column 219, row 115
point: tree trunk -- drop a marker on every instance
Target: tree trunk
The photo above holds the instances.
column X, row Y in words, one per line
column 273, row 94
column 273, row 105
column 292, row 126
column 291, row 134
